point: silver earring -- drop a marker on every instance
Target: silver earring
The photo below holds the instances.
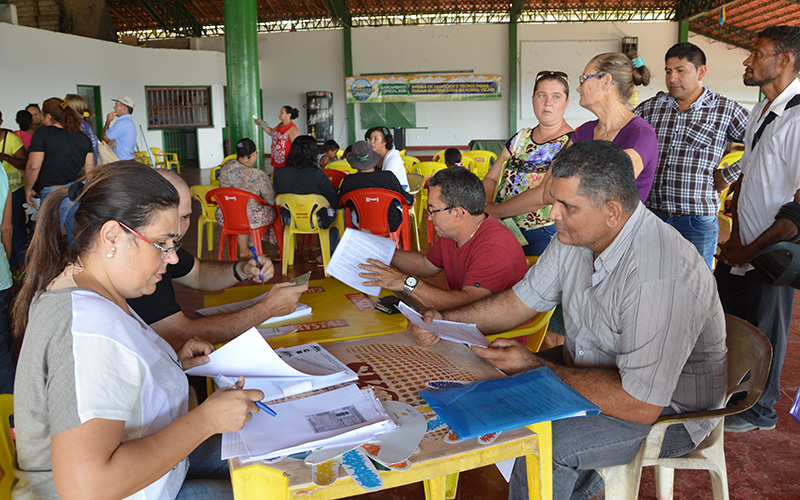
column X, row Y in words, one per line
column 110, row 253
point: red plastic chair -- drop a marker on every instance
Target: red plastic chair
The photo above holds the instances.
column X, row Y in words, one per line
column 372, row 206
column 335, row 176
column 233, row 203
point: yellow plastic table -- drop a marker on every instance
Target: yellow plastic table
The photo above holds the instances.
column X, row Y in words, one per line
column 338, row 312
column 396, row 368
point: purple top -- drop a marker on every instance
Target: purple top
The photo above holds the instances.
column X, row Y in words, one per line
column 638, row 135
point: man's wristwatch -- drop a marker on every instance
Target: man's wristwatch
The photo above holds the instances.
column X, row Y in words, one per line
column 409, row 284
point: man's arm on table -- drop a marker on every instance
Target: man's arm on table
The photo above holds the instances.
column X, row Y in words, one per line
column 177, row 328
column 416, row 264
column 495, row 313
column 601, row 386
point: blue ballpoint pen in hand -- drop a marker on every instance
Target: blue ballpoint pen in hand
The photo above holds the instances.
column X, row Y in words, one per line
column 255, row 258
column 224, row 381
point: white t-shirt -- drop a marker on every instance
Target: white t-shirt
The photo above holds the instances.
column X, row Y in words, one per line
column 393, row 163
column 85, row 358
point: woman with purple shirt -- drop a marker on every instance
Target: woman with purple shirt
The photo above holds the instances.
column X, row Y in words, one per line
column 605, row 87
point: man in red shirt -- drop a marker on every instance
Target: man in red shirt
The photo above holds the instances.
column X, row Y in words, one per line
column 478, row 254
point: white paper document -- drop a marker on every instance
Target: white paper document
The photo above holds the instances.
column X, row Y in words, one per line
column 465, row 333
column 334, row 418
column 286, row 372
column 276, row 331
column 355, row 248
column 301, row 310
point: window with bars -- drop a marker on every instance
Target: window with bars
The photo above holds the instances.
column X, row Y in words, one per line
column 178, row 107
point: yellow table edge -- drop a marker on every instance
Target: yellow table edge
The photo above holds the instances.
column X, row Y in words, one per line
column 258, row 481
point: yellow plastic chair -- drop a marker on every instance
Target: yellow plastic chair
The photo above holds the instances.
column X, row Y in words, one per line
column 214, row 178
column 535, row 331
column 415, row 183
column 439, row 156
column 206, row 219
column 8, row 450
column 342, row 165
column 409, row 162
column 482, row 161
column 727, row 160
column 340, row 154
column 303, row 209
column 402, row 152
column 749, row 351
column 142, row 157
column 426, row 169
column 165, row 160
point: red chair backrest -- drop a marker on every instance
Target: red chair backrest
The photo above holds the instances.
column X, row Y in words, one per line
column 233, row 203
column 335, row 176
column 373, row 205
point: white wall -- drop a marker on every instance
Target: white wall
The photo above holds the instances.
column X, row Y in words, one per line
column 52, row 64
column 480, row 49
column 292, row 64
column 571, row 45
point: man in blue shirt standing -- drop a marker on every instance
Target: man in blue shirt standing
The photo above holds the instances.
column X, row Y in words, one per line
column 121, row 136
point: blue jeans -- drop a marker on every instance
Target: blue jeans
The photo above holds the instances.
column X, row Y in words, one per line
column 700, row 230
column 583, row 444
column 8, row 362
column 208, row 477
column 538, row 239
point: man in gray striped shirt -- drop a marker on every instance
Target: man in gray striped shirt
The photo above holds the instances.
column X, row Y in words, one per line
column 645, row 331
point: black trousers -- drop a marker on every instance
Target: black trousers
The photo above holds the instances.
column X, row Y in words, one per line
column 768, row 308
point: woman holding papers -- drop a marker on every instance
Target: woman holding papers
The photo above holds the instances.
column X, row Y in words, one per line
column 100, row 398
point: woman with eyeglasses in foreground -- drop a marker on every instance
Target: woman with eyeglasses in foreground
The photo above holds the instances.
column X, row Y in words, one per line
column 525, row 160
column 606, row 86
column 100, row 399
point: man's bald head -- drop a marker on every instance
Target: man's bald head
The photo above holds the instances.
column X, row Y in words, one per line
column 185, row 204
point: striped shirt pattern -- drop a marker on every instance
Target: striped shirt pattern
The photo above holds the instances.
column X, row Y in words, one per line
column 647, row 307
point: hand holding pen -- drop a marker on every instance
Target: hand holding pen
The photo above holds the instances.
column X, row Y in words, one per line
column 223, row 381
column 255, row 258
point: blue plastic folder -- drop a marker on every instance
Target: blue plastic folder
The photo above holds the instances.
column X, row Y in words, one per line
column 498, row 404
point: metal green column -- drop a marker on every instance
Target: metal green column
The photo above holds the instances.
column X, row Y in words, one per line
column 348, row 72
column 241, row 60
column 683, row 31
column 512, row 78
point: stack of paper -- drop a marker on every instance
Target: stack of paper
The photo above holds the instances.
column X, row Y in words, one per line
column 286, row 372
column 301, row 310
column 498, row 404
column 341, row 417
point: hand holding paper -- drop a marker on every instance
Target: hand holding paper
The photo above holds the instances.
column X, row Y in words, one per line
column 448, row 330
column 354, row 249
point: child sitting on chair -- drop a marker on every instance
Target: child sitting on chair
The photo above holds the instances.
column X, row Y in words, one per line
column 330, row 151
column 452, row 158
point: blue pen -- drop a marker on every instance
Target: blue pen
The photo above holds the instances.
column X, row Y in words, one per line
column 255, row 258
column 222, row 380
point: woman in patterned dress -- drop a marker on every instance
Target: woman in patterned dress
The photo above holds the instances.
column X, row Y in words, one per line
column 529, row 154
column 242, row 174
